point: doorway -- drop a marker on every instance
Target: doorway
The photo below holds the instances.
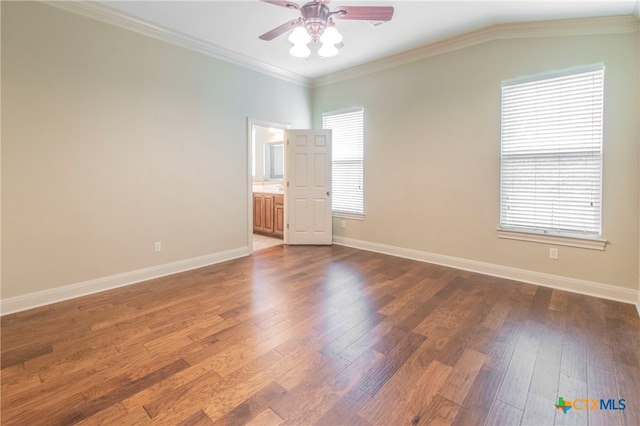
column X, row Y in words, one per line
column 266, row 147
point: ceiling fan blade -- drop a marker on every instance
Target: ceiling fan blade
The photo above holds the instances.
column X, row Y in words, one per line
column 270, row 35
column 364, row 13
column 283, row 3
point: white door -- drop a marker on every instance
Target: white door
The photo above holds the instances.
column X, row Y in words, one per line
column 308, row 209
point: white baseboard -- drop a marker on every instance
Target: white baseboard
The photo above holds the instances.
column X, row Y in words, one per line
column 604, row 291
column 46, row 297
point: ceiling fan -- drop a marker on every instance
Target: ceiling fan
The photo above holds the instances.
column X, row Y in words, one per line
column 316, row 23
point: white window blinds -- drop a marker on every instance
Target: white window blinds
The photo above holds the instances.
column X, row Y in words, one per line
column 347, row 160
column 551, row 156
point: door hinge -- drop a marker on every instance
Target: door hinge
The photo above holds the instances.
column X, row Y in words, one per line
column 287, row 184
column 287, row 226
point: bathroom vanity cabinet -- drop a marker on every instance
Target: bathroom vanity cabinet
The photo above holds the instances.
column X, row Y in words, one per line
column 268, row 214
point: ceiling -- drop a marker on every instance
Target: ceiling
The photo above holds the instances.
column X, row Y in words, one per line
column 233, row 27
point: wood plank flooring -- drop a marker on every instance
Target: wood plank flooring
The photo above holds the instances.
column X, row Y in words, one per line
column 322, row 335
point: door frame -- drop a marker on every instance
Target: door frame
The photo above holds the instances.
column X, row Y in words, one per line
column 251, row 121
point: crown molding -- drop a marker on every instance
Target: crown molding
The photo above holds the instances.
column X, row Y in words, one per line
column 99, row 12
column 553, row 28
column 561, row 27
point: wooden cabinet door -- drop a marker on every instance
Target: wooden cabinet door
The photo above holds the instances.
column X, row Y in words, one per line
column 279, row 220
column 258, row 213
column 268, row 213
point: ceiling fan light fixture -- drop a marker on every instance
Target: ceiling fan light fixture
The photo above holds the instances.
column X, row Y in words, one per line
column 316, row 24
column 300, row 50
column 328, row 50
column 299, row 36
column 331, row 35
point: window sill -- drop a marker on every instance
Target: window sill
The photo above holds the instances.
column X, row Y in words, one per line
column 353, row 216
column 585, row 243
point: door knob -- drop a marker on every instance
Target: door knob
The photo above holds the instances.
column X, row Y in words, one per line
column 328, row 193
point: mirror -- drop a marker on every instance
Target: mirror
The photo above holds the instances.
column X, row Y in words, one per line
column 268, row 154
column 274, row 161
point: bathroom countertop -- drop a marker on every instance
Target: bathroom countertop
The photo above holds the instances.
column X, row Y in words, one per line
column 269, row 189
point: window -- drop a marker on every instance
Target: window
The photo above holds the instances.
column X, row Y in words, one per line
column 347, row 160
column 551, row 155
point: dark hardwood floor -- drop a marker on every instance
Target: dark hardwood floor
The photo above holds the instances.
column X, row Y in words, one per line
column 323, row 335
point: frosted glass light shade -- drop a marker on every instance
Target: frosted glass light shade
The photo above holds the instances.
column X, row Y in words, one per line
column 300, row 50
column 299, row 36
column 331, row 35
column 328, row 50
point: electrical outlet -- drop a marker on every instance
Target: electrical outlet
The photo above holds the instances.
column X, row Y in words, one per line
column 343, row 224
column 157, row 246
column 553, row 253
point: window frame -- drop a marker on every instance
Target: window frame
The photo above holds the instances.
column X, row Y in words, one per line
column 542, row 234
